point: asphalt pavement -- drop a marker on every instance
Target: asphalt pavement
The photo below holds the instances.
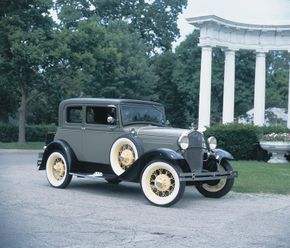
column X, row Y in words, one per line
column 92, row 213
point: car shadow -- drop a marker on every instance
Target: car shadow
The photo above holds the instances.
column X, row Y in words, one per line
column 127, row 190
column 105, row 188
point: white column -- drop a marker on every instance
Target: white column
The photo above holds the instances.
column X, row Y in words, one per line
column 260, row 84
column 229, row 87
column 288, row 120
column 205, row 88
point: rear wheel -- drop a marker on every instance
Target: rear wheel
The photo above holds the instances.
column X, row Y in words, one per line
column 217, row 188
column 161, row 184
column 57, row 170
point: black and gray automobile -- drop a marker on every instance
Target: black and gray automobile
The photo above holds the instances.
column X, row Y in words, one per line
column 128, row 140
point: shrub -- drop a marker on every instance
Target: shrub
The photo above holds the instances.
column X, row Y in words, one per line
column 9, row 133
column 238, row 139
column 241, row 140
column 38, row 132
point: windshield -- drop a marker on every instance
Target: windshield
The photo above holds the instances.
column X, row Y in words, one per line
column 138, row 114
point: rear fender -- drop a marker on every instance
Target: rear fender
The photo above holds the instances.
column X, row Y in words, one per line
column 58, row 145
column 133, row 174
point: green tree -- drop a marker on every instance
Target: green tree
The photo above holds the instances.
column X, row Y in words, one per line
column 134, row 77
column 25, row 29
column 244, row 81
column 186, row 77
column 164, row 65
column 277, row 79
column 218, row 59
column 155, row 20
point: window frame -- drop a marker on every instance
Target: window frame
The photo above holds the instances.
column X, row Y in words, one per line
column 116, row 124
column 66, row 115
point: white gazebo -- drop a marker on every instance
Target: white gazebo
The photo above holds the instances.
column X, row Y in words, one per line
column 232, row 36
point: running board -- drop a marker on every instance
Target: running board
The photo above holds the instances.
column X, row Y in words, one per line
column 96, row 175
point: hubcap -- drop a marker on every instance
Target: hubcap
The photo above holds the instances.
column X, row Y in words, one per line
column 58, row 169
column 162, row 182
column 126, row 157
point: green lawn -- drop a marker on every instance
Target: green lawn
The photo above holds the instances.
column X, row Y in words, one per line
column 28, row 145
column 260, row 177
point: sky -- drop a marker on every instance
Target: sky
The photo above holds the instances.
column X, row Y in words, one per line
column 247, row 11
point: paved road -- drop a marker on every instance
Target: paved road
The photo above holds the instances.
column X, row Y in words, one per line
column 96, row 214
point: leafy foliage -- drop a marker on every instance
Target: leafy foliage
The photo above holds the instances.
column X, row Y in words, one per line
column 155, row 20
column 242, row 141
column 8, row 132
column 25, row 30
column 238, row 139
column 186, row 77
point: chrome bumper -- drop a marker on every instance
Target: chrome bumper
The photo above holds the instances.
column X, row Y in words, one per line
column 206, row 175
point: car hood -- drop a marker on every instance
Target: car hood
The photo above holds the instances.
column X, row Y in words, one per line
column 153, row 137
column 160, row 131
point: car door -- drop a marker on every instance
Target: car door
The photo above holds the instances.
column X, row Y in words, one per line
column 71, row 128
column 99, row 134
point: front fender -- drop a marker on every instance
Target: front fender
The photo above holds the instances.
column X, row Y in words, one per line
column 58, row 145
column 222, row 154
column 162, row 154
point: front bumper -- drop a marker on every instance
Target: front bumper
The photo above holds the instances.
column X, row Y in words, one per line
column 206, row 176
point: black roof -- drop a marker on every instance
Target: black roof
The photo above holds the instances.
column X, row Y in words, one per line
column 108, row 101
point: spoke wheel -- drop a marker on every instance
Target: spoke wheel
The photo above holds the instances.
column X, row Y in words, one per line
column 161, row 185
column 217, row 188
column 123, row 154
column 57, row 170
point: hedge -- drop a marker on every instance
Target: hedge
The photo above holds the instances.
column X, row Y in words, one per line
column 241, row 140
column 9, row 133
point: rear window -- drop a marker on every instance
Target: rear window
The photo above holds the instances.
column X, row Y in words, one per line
column 74, row 115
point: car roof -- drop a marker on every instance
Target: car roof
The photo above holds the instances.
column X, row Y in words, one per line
column 105, row 101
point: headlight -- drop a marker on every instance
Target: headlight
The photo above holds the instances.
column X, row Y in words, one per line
column 183, row 141
column 212, row 142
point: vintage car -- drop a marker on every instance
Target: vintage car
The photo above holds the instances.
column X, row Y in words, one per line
column 128, row 140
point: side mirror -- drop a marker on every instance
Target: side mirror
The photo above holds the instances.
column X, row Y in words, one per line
column 167, row 123
column 111, row 120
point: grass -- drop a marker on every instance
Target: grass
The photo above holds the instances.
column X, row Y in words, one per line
column 261, row 177
column 16, row 145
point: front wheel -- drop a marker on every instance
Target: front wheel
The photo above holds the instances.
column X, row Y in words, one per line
column 161, row 184
column 57, row 170
column 217, row 188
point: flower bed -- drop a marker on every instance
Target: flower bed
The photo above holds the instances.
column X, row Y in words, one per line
column 279, row 137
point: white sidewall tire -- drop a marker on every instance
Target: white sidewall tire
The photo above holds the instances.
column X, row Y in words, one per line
column 114, row 153
column 212, row 192
column 49, row 170
column 150, row 195
column 219, row 186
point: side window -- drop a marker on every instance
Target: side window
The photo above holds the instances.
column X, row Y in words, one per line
column 101, row 115
column 74, row 114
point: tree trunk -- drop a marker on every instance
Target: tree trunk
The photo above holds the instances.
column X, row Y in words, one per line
column 22, row 119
